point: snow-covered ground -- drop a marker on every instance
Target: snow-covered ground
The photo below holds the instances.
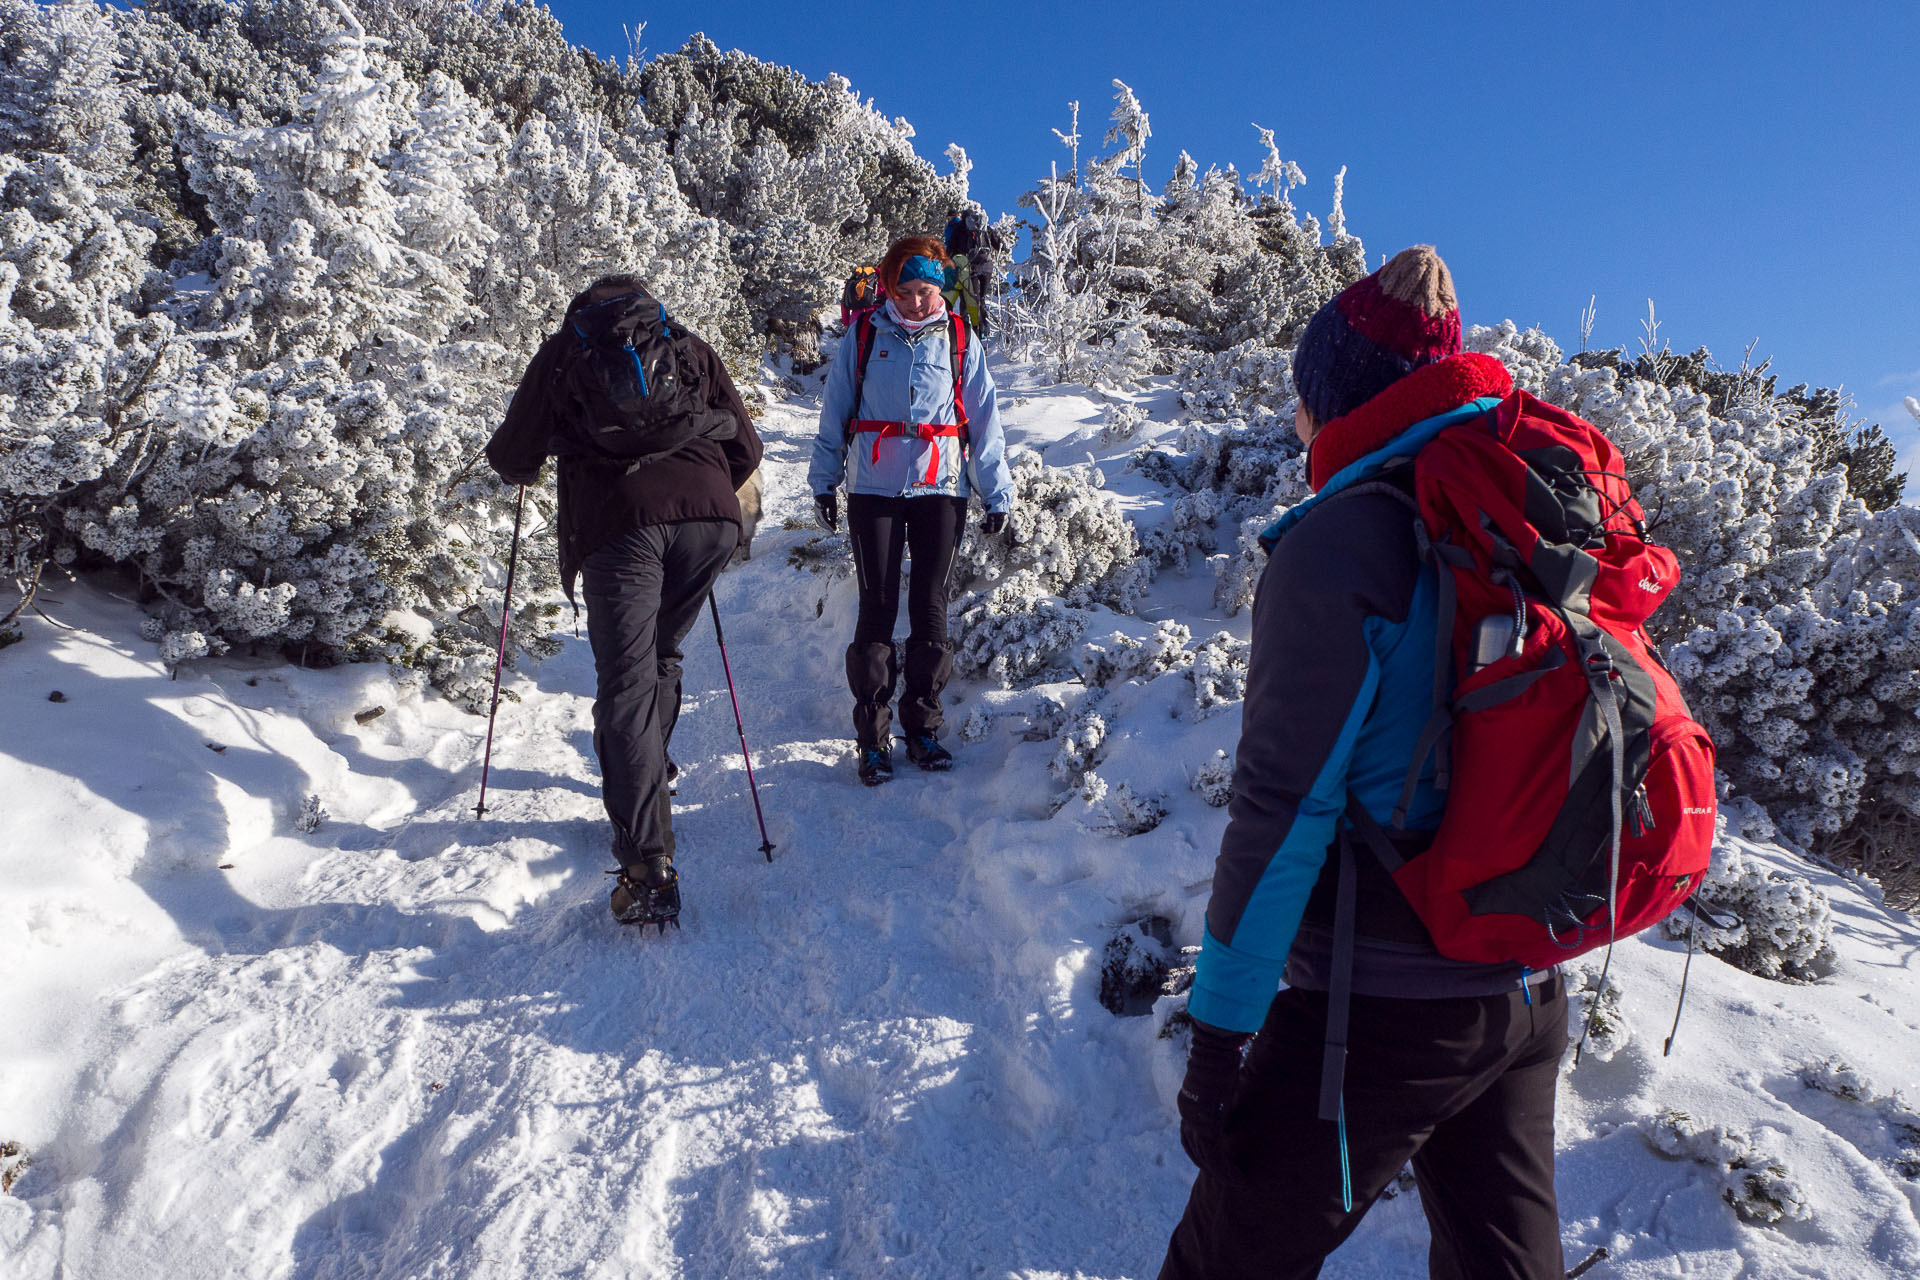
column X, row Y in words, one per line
column 413, row 1043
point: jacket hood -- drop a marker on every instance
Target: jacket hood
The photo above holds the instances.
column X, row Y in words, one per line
column 1427, row 391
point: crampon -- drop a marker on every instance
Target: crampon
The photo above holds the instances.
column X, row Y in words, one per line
column 637, row 903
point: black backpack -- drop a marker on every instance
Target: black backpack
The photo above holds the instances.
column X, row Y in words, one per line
column 629, row 387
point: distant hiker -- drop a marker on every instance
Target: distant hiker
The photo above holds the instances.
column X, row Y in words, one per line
column 981, row 257
column 957, row 237
column 653, row 441
column 861, row 294
column 910, row 402
column 1447, row 1064
column 971, row 243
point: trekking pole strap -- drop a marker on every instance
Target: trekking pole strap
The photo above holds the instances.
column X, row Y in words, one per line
column 1333, row 1062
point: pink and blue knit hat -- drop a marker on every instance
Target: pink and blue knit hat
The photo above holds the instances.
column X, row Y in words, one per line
column 1375, row 332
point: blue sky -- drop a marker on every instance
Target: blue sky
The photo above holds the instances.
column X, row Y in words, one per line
column 1754, row 168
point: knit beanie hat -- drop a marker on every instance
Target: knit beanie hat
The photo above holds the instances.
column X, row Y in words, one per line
column 1376, row 332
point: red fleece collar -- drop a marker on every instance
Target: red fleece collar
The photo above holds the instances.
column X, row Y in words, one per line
column 1427, row 391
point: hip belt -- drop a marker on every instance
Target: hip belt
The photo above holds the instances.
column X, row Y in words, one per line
column 928, row 431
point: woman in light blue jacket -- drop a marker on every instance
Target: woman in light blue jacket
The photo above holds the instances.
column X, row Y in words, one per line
column 911, row 423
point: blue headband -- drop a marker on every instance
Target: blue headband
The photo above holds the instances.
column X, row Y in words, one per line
column 921, row 267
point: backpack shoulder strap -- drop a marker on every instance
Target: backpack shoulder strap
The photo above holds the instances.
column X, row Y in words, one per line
column 957, row 335
column 863, row 342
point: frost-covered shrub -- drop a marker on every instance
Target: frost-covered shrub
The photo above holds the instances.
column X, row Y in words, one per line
column 1755, row 1182
column 1066, row 533
column 1833, row 1076
column 312, row 816
column 1786, row 921
column 1124, row 279
column 809, row 179
column 1609, row 1032
column 1067, row 546
column 1045, row 718
column 1898, row 1121
column 976, row 727
column 1134, row 966
column 1529, row 355
column 1239, row 460
column 1214, row 780
column 1246, row 381
column 14, row 1162
column 1016, row 630
column 1121, row 422
column 1219, row 672
column 1081, row 740
column 1132, row 813
column 1188, row 528
column 1120, row 657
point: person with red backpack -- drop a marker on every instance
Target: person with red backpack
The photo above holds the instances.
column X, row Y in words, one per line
column 910, row 421
column 1460, row 762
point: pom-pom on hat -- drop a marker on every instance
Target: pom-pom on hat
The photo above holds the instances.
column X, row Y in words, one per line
column 1376, row 332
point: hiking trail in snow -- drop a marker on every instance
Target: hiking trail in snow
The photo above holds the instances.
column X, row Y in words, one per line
column 413, row 1043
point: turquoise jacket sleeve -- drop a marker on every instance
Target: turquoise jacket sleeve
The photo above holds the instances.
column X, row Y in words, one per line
column 1330, row 603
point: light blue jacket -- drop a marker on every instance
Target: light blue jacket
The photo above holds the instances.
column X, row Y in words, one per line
column 910, row 379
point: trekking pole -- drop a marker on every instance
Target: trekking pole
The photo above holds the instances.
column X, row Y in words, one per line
column 766, row 843
column 500, row 658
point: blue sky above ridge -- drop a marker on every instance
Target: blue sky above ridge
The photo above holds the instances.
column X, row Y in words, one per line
column 1753, row 169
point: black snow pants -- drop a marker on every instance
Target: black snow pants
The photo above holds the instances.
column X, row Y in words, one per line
column 1463, row 1088
column 644, row 591
column 881, row 529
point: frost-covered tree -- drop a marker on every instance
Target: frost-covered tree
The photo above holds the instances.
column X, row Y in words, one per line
column 76, row 355
column 811, row 180
column 271, row 267
column 1123, row 281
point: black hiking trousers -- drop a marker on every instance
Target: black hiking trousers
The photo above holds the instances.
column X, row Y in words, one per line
column 881, row 529
column 643, row 592
column 1463, row 1088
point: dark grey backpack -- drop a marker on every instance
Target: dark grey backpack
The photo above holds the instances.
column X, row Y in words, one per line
column 629, row 387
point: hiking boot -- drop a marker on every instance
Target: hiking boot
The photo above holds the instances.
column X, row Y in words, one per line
column 876, row 766
column 925, row 750
column 648, row 896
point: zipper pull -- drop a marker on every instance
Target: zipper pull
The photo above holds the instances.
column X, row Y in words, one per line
column 1640, row 811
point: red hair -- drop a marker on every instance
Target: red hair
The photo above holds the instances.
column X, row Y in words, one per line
column 910, row 247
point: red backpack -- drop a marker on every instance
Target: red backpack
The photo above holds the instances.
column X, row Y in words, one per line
column 1580, row 791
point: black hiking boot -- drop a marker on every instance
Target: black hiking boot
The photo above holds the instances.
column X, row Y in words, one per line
column 925, row 750
column 876, row 766
column 651, row 896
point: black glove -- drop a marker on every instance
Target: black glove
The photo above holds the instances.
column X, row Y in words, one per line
column 994, row 524
column 1206, row 1096
column 829, row 508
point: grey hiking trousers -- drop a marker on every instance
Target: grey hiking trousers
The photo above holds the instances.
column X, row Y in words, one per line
column 643, row 592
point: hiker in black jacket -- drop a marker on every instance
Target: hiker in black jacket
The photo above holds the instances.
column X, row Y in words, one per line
column 649, row 540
